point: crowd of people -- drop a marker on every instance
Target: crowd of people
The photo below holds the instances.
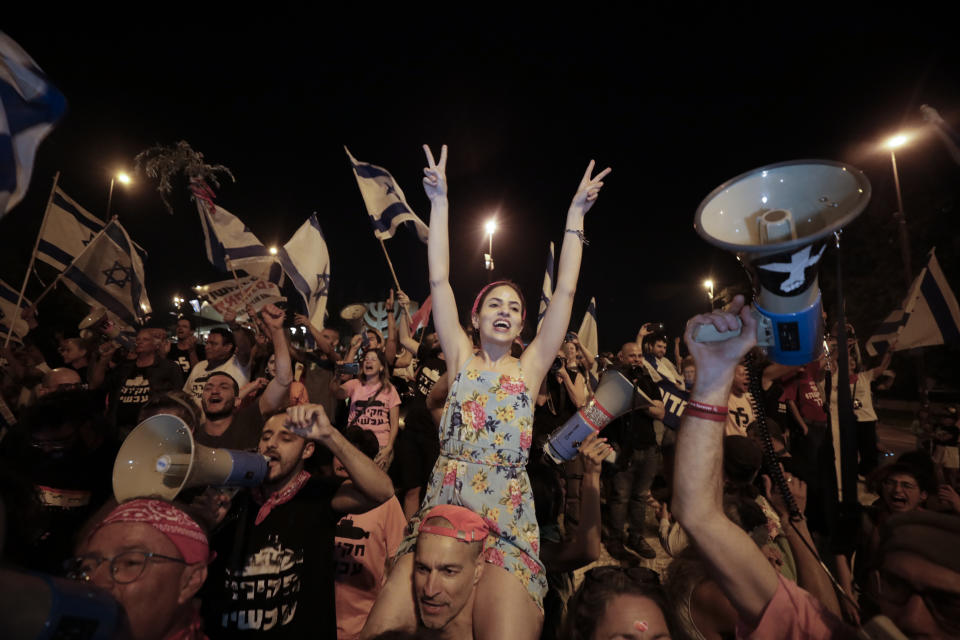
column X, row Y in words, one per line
column 407, row 495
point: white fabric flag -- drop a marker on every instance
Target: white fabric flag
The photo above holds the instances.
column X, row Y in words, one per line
column 546, row 292
column 68, row 230
column 385, row 201
column 306, row 262
column 928, row 316
column 9, row 314
column 109, row 273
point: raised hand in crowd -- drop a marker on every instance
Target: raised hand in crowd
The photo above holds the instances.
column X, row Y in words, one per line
column 949, row 495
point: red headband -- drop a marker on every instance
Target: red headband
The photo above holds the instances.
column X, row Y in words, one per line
column 476, row 301
column 185, row 534
column 467, row 525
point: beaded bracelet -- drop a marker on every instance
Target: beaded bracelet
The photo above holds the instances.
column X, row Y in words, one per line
column 704, row 415
column 709, row 408
column 579, row 234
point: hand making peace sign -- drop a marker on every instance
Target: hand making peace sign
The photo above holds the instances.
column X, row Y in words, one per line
column 587, row 191
column 435, row 175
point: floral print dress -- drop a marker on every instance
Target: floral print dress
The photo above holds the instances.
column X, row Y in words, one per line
column 485, row 436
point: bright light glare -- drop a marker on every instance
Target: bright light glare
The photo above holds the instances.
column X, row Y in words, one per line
column 491, row 226
column 124, row 178
column 273, row 251
column 708, row 284
column 896, row 141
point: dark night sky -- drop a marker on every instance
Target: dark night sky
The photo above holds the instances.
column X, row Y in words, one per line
column 676, row 105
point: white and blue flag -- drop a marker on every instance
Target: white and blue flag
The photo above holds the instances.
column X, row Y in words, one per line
column 109, row 274
column 9, row 313
column 929, row 315
column 67, row 231
column 589, row 337
column 385, row 201
column 230, row 244
column 306, row 261
column 546, row 292
column 29, row 107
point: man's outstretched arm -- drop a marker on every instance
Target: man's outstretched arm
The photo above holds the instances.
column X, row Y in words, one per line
column 738, row 565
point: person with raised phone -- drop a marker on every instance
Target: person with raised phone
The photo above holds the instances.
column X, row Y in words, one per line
column 487, row 427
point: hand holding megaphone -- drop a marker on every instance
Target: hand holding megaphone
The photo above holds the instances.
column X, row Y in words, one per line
column 716, row 359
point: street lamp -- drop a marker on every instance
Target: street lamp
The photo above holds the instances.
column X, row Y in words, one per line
column 490, row 227
column 892, row 144
column 123, row 178
column 273, row 251
column 178, row 301
column 708, row 285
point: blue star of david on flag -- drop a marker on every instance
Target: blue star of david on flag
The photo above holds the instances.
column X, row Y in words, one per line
column 323, row 286
column 120, row 280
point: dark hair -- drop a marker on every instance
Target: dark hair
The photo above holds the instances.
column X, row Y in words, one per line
column 177, row 403
column 600, row 586
column 236, row 385
column 364, row 440
column 189, row 319
column 486, row 291
column 227, row 336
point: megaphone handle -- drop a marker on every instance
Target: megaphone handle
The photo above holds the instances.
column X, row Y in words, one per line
column 709, row 333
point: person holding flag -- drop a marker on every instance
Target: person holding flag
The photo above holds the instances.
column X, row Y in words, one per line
column 487, row 427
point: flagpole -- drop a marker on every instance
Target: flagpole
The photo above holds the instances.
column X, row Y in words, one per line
column 79, row 255
column 33, row 257
column 395, row 281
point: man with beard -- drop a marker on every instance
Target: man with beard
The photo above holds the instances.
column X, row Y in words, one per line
column 273, row 576
column 224, row 425
column 187, row 352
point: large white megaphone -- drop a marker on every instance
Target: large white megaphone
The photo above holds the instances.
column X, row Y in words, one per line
column 777, row 220
column 614, row 397
column 160, row 458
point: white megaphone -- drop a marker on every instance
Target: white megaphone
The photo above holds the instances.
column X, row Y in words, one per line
column 777, row 220
column 159, row 458
column 614, row 397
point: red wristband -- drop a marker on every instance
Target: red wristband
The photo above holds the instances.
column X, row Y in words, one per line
column 708, row 408
column 704, row 415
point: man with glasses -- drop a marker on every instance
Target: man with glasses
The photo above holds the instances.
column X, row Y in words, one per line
column 152, row 557
column 915, row 580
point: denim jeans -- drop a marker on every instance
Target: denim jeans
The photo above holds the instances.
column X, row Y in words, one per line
column 631, row 489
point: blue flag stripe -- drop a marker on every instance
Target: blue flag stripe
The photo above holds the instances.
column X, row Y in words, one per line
column 60, row 201
column 386, row 217
column 938, row 307
column 22, row 115
column 295, row 276
column 54, row 252
column 9, row 294
column 8, row 165
column 215, row 252
column 96, row 292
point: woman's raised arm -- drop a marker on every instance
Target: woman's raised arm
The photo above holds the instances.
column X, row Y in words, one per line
column 454, row 342
column 539, row 355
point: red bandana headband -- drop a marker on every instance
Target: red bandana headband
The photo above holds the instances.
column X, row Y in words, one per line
column 476, row 301
column 185, row 534
column 467, row 525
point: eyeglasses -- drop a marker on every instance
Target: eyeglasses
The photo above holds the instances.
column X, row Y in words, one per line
column 639, row 575
column 944, row 606
column 125, row 568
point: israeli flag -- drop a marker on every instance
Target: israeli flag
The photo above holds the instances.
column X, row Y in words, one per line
column 385, row 201
column 228, row 241
column 588, row 336
column 306, row 262
column 67, row 231
column 929, row 315
column 10, row 314
column 546, row 292
column 29, row 107
column 109, row 274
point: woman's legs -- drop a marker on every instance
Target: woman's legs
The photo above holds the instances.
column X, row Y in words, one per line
column 395, row 607
column 503, row 608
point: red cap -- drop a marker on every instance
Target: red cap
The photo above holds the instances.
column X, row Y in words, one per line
column 467, row 525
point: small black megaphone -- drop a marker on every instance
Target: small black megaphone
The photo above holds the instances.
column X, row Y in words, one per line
column 160, row 458
column 777, row 220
